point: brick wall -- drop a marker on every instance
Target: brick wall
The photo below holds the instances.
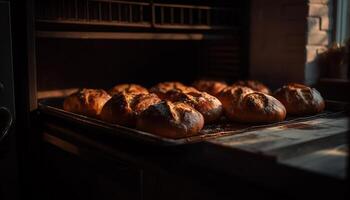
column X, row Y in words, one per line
column 318, row 35
column 286, row 37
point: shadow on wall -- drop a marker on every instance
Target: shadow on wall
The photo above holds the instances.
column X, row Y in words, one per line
column 286, row 39
column 277, row 49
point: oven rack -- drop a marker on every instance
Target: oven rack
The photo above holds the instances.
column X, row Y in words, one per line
column 141, row 14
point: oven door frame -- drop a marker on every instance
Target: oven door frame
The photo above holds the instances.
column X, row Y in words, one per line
column 9, row 181
column 25, row 131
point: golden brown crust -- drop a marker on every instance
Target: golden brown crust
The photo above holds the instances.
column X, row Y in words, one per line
column 210, row 86
column 300, row 99
column 172, row 120
column 262, row 108
column 242, row 104
column 162, row 88
column 118, row 110
column 254, row 85
column 123, row 108
column 230, row 98
column 143, row 101
column 128, row 88
column 87, row 102
column 209, row 106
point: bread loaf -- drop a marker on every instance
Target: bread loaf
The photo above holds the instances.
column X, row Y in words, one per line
column 123, row 108
column 172, row 120
column 242, row 104
column 87, row 102
column 300, row 99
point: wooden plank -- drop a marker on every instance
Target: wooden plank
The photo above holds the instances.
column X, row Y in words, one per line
column 331, row 162
column 307, row 146
column 290, row 140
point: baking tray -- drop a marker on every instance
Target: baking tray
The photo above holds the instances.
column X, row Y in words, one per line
column 53, row 107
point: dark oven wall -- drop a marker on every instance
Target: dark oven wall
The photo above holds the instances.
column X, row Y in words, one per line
column 101, row 63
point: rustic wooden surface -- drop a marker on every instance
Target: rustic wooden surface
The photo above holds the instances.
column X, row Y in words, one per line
column 318, row 145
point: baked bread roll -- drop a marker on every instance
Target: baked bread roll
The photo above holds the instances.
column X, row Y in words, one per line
column 300, row 99
column 87, row 102
column 172, row 120
column 128, row 88
column 242, row 104
column 123, row 108
column 209, row 86
column 209, row 106
column 254, row 85
column 162, row 88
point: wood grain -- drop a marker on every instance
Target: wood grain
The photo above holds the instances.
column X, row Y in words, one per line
column 278, row 141
column 332, row 161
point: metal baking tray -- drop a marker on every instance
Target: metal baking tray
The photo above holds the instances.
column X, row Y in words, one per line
column 53, row 107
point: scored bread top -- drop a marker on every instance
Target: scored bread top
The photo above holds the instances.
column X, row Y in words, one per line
column 209, row 106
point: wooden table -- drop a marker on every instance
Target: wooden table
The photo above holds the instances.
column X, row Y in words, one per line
column 298, row 159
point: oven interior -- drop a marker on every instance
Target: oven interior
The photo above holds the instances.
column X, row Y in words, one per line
column 98, row 44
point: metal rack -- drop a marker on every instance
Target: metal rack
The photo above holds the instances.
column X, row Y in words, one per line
column 146, row 14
